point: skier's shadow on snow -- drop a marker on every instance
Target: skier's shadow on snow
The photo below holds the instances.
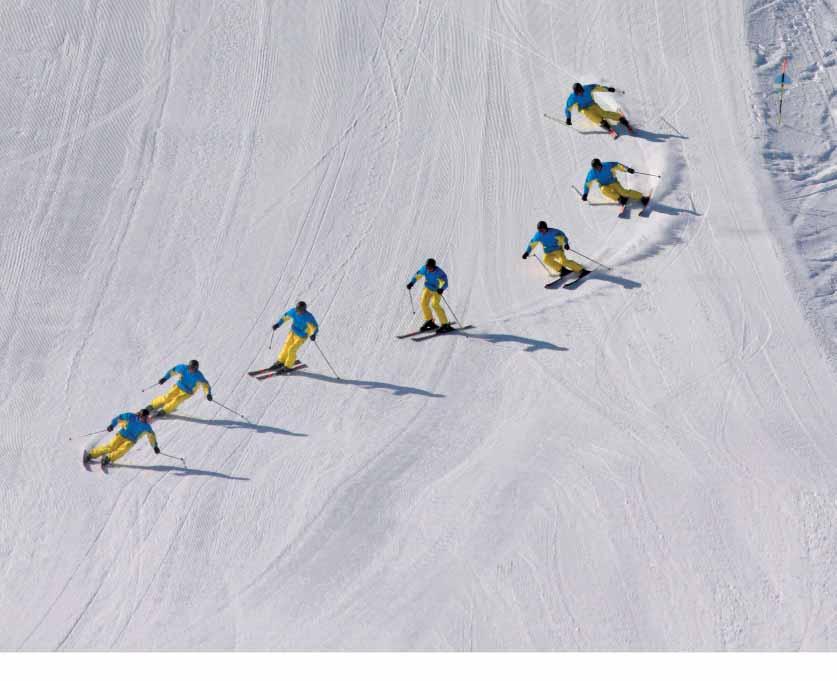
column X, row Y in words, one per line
column 533, row 345
column 612, row 278
column 232, row 425
column 180, row 471
column 397, row 390
column 657, row 136
column 665, row 209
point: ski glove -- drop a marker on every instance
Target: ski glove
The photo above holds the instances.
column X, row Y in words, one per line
column 275, row 326
column 156, row 450
column 569, row 121
column 162, row 380
column 584, row 196
column 611, row 89
column 410, row 285
column 110, row 428
column 209, row 396
column 526, row 255
column 630, row 170
column 440, row 291
column 314, row 337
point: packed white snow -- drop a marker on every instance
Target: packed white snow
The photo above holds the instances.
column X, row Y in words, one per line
column 647, row 462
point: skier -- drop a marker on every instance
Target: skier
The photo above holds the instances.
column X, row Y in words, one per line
column 582, row 98
column 303, row 326
column 190, row 379
column 435, row 284
column 609, row 185
column 554, row 242
column 131, row 428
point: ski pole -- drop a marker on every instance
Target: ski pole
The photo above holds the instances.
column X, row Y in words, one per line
column 177, row 458
column 232, row 411
column 672, row 127
column 153, row 385
column 590, row 259
column 95, row 432
column 316, row 345
column 782, row 81
column 270, row 345
column 412, row 307
column 542, row 265
column 451, row 310
column 637, row 172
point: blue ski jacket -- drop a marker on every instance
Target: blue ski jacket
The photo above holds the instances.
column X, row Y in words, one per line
column 435, row 281
column 553, row 240
column 302, row 324
column 131, row 428
column 583, row 100
column 604, row 176
column 189, row 380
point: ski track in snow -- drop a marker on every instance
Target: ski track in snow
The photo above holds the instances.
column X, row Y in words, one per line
column 643, row 463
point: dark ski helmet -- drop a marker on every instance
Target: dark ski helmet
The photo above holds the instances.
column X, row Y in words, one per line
column 578, row 88
column 301, row 306
column 596, row 163
column 144, row 413
column 431, row 263
column 194, row 364
column 542, row 225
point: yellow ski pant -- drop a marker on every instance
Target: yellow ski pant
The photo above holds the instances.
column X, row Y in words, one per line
column 556, row 260
column 595, row 114
column 432, row 299
column 614, row 190
column 171, row 400
column 115, row 449
column 287, row 355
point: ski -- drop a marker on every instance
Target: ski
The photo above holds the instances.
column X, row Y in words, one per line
column 436, row 333
column 411, row 334
column 560, row 281
column 269, row 369
column 276, row 372
column 574, row 285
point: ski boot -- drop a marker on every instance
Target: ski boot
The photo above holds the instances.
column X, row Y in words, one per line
column 444, row 328
column 86, row 459
column 105, row 461
column 280, row 368
column 645, row 200
column 623, row 200
column 624, row 121
column 429, row 325
column 610, row 131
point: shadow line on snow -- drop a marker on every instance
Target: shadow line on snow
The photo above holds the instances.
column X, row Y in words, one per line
column 613, row 279
column 533, row 344
column 234, row 425
column 370, row 385
column 665, row 209
column 179, row 470
column 656, row 136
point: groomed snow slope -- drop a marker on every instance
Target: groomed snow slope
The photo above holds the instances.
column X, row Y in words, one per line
column 644, row 463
